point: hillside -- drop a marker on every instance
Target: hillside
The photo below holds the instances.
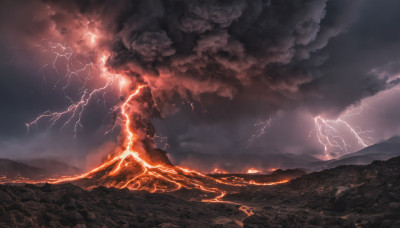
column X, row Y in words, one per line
column 346, row 196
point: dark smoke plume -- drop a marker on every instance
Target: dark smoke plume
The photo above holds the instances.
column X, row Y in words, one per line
column 191, row 50
column 236, row 58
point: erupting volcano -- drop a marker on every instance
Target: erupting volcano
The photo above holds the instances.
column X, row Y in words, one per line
column 199, row 113
column 136, row 164
column 137, row 169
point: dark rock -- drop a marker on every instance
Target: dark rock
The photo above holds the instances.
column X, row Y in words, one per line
column 28, row 194
column 16, row 206
column 71, row 218
column 346, row 196
column 88, row 215
column 4, row 197
column 46, row 187
column 255, row 221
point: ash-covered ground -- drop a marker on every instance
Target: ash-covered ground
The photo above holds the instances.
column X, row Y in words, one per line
column 346, row 196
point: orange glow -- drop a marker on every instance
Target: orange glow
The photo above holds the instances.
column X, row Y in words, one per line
column 135, row 173
column 253, row 171
column 268, row 183
column 123, row 82
column 92, row 37
column 128, row 167
column 218, row 171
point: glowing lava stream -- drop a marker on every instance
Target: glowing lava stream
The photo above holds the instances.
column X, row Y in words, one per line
column 161, row 178
column 127, row 169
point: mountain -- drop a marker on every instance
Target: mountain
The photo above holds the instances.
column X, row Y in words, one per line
column 13, row 169
column 35, row 169
column 53, row 167
column 390, row 147
column 241, row 162
column 379, row 151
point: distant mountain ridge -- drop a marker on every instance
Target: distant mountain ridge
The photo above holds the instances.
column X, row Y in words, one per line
column 11, row 169
column 52, row 167
column 389, row 147
column 383, row 150
column 35, row 168
column 236, row 162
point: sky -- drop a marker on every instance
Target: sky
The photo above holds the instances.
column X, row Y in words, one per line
column 231, row 84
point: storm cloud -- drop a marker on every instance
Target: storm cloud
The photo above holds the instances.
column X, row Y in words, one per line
column 235, row 63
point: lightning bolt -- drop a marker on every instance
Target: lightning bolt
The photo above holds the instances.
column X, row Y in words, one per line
column 330, row 136
column 262, row 126
column 151, row 177
column 72, row 114
column 73, row 66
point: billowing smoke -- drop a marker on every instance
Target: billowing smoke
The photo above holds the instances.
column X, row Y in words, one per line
column 184, row 50
column 191, row 48
column 266, row 55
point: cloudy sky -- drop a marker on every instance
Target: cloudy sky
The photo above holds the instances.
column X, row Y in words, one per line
column 235, row 84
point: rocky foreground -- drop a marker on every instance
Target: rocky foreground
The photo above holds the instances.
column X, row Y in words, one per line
column 346, row 196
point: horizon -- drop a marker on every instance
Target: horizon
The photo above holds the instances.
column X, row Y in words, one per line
column 228, row 89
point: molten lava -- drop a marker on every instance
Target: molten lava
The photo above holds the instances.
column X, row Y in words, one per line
column 218, row 171
column 253, row 171
column 135, row 166
column 128, row 169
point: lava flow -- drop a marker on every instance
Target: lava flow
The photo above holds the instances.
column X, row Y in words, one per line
column 129, row 170
column 134, row 166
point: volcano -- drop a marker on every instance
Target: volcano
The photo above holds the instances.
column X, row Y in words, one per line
column 127, row 170
column 138, row 168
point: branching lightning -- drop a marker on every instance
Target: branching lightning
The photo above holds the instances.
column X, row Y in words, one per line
column 330, row 132
column 72, row 115
column 262, row 126
column 134, row 171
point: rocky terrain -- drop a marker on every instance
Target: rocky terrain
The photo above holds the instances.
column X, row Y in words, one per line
column 70, row 206
column 42, row 168
column 346, row 196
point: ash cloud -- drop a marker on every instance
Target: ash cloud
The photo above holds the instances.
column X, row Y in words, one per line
column 236, row 61
column 197, row 47
column 207, row 50
column 191, row 48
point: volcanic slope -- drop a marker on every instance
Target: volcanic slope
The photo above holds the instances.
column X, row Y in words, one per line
column 137, row 174
column 135, row 168
column 346, row 196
